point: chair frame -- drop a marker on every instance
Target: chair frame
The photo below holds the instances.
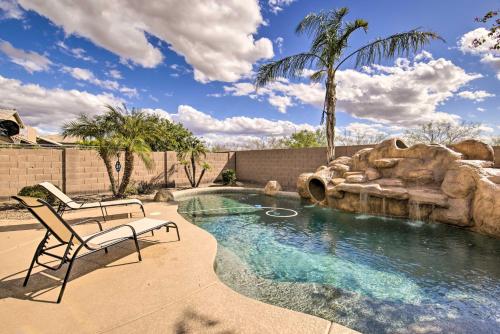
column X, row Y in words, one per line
column 70, row 254
column 63, row 206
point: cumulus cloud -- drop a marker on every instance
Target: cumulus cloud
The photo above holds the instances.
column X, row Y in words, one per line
column 83, row 74
column 48, row 109
column 279, row 44
column 488, row 56
column 277, row 6
column 10, row 10
column 238, row 129
column 29, row 60
column 478, row 95
column 215, row 37
column 404, row 94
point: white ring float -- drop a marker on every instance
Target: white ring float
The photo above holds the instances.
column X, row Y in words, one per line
column 293, row 213
column 269, row 213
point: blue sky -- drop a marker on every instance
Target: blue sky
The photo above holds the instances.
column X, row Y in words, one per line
column 193, row 62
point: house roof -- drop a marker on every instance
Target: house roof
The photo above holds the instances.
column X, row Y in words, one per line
column 11, row 115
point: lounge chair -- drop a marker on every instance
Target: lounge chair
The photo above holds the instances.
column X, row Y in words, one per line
column 67, row 239
column 66, row 203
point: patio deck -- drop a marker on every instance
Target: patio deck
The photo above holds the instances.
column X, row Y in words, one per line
column 173, row 290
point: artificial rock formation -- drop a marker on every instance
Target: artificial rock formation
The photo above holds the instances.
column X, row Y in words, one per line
column 272, row 188
column 456, row 185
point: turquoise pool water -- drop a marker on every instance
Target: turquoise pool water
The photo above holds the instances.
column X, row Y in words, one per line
column 371, row 274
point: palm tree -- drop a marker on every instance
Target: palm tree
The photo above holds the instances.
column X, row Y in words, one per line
column 191, row 154
column 96, row 131
column 330, row 34
column 132, row 131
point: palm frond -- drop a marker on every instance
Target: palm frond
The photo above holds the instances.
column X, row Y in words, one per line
column 288, row 67
column 401, row 44
column 318, row 76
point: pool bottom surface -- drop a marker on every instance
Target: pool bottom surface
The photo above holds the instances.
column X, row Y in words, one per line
column 370, row 274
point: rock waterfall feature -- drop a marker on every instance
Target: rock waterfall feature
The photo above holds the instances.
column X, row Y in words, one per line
column 455, row 185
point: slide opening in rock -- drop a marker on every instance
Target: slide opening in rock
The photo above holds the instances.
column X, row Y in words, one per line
column 400, row 144
column 317, row 189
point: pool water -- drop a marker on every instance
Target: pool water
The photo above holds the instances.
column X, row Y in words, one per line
column 372, row 274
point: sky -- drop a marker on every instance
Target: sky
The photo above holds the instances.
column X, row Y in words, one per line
column 195, row 61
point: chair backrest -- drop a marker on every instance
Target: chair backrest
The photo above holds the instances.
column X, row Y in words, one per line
column 56, row 192
column 49, row 218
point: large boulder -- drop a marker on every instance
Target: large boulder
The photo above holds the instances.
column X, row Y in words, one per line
column 341, row 160
column 486, row 207
column 460, row 181
column 473, row 149
column 272, row 188
column 163, row 195
column 360, row 159
column 458, row 213
column 372, row 174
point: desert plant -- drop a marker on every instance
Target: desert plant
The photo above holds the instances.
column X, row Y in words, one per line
column 191, row 155
column 229, row 177
column 146, row 188
column 331, row 33
column 39, row 192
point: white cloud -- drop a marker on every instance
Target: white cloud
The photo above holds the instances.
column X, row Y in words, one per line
column 477, row 95
column 215, row 37
column 488, row 56
column 206, row 125
column 87, row 75
column 115, row 74
column 277, row 6
column 48, row 108
column 29, row 60
column 10, row 10
column 281, row 102
column 279, row 44
column 404, row 94
column 480, row 109
column 78, row 53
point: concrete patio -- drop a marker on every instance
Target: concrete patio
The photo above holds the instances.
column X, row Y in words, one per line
column 173, row 290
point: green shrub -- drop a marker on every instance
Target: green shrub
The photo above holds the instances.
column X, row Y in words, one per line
column 229, row 177
column 146, row 188
column 131, row 190
column 39, row 192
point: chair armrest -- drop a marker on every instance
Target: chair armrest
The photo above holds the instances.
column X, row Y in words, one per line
column 89, row 220
column 106, row 231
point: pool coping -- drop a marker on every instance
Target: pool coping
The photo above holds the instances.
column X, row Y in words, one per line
column 180, row 194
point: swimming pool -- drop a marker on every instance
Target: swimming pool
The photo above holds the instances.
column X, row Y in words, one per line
column 371, row 274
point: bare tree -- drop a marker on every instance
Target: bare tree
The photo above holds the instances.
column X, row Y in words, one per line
column 444, row 133
column 359, row 137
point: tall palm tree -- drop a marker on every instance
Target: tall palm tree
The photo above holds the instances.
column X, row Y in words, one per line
column 97, row 132
column 132, row 131
column 191, row 154
column 330, row 35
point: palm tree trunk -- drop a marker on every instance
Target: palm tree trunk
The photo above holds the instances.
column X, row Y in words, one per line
column 109, row 170
column 193, row 165
column 330, row 101
column 127, row 172
column 201, row 176
column 188, row 174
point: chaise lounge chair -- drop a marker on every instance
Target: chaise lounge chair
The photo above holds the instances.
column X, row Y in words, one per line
column 66, row 203
column 67, row 239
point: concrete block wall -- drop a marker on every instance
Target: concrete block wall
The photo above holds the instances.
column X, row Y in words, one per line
column 22, row 167
column 218, row 162
column 284, row 165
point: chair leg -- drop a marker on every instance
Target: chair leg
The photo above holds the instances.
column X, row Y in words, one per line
column 31, row 267
column 137, row 248
column 103, row 215
column 143, row 211
column 66, row 277
column 37, row 253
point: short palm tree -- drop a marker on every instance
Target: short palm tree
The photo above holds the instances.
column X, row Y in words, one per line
column 330, row 35
column 132, row 130
column 97, row 132
column 190, row 155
